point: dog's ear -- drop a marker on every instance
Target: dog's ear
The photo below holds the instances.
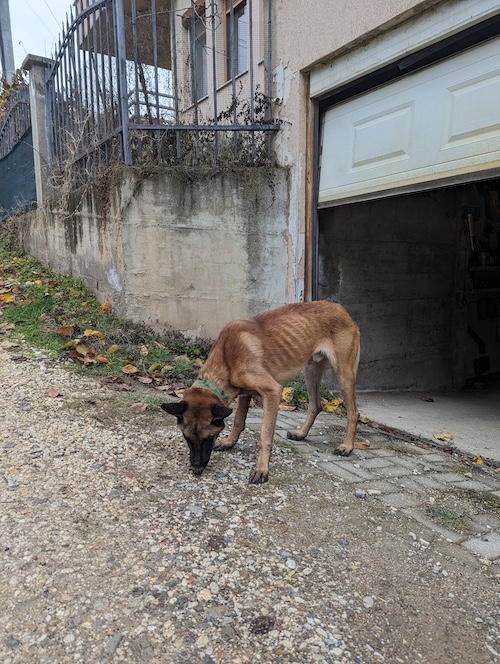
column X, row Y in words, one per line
column 176, row 409
column 220, row 411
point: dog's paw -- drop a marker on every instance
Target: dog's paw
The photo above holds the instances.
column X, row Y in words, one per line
column 257, row 476
column 293, row 435
column 342, row 451
column 223, row 445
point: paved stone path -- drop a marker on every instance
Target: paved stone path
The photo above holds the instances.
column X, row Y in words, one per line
column 401, row 477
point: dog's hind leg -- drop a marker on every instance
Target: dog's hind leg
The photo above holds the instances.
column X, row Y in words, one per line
column 346, row 368
column 313, row 372
column 240, row 417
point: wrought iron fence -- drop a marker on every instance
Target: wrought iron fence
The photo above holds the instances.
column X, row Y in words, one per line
column 147, row 79
column 16, row 120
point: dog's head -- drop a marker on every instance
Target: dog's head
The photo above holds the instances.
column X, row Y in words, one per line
column 200, row 416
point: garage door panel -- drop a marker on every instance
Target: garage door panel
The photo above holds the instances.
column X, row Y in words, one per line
column 439, row 122
column 474, row 113
column 382, row 139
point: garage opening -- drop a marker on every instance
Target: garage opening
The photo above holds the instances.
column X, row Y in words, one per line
column 420, row 273
column 408, row 213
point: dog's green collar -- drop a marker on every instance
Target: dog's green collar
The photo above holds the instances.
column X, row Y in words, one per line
column 205, row 384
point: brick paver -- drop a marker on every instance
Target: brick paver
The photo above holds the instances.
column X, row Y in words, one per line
column 400, row 499
column 487, row 546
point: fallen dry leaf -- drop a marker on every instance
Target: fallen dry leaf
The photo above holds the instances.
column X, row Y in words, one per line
column 65, row 330
column 105, row 308
column 52, row 392
column 102, row 359
column 181, row 358
column 82, row 349
column 284, row 406
column 162, row 388
column 478, row 459
column 7, row 345
column 93, row 333
column 332, row 406
column 445, row 436
column 113, row 349
column 89, row 358
column 361, row 444
column 364, row 419
column 118, row 387
column 130, row 369
column 138, row 407
column 429, row 399
column 145, row 379
column 287, row 394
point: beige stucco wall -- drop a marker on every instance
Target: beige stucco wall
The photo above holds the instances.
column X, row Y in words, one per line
column 191, row 251
column 320, row 29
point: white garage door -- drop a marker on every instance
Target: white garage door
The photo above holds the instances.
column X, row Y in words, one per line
column 441, row 122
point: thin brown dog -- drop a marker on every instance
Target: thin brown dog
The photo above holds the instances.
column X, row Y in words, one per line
column 254, row 357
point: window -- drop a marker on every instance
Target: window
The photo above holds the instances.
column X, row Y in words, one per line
column 199, row 55
column 236, row 38
column 194, row 21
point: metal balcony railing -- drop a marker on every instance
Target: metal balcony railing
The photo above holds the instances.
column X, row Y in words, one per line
column 143, row 80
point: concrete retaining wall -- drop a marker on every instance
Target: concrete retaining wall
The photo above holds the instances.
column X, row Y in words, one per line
column 187, row 250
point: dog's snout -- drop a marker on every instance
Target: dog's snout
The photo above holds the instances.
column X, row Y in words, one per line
column 197, row 470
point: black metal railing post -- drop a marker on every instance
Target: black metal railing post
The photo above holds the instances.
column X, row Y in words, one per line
column 121, row 65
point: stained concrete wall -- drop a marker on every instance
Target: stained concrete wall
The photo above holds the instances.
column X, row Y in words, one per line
column 398, row 265
column 190, row 251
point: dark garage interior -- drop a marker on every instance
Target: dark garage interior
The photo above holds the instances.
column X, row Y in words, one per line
column 420, row 274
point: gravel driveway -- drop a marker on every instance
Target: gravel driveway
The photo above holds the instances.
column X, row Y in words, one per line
column 112, row 551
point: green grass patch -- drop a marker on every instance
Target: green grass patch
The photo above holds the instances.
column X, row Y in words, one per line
column 59, row 315
column 450, row 520
column 299, row 394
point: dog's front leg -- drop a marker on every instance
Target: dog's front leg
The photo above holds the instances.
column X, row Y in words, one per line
column 240, row 417
column 271, row 397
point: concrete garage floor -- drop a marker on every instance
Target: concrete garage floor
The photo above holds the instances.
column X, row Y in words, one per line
column 472, row 415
